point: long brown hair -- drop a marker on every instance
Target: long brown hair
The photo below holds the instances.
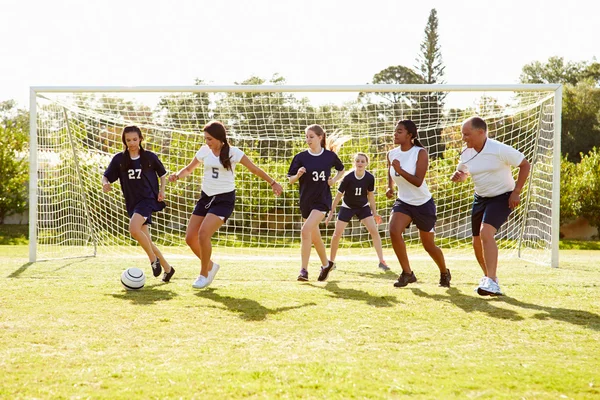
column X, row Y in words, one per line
column 332, row 142
column 217, row 130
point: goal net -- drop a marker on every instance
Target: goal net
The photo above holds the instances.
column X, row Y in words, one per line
column 76, row 131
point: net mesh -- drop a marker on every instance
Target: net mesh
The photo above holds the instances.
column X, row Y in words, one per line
column 78, row 133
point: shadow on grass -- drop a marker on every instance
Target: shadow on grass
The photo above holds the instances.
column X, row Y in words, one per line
column 23, row 268
column 359, row 295
column 147, row 295
column 20, row 270
column 249, row 310
column 486, row 305
column 387, row 275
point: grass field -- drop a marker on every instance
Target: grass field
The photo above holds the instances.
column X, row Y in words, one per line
column 69, row 330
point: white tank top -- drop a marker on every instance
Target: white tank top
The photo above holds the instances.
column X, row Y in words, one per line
column 407, row 192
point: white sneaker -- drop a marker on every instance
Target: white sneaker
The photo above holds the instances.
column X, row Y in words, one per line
column 201, row 282
column 488, row 287
column 212, row 273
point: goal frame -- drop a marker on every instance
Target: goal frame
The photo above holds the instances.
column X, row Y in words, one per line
column 35, row 90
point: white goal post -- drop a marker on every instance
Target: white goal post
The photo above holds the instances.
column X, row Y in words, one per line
column 75, row 131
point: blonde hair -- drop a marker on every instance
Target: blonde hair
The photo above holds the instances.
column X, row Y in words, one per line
column 359, row 154
column 333, row 141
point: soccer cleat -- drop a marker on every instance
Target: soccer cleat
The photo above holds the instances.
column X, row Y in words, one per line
column 167, row 275
column 213, row 271
column 383, row 267
column 325, row 271
column 445, row 279
column 303, row 275
column 487, row 287
column 156, row 267
column 201, row 282
column 404, row 279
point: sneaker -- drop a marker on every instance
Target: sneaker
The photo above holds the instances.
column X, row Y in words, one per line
column 383, row 267
column 213, row 272
column 489, row 288
column 156, row 268
column 167, row 275
column 201, row 282
column 404, row 279
column 445, row 279
column 303, row 275
column 325, row 271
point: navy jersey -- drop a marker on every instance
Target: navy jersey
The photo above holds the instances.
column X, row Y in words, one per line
column 355, row 190
column 137, row 183
column 314, row 188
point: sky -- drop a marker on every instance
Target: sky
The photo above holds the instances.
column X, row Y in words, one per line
column 312, row 42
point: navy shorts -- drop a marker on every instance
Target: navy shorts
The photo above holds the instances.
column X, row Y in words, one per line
column 489, row 210
column 318, row 206
column 221, row 205
column 346, row 214
column 145, row 208
column 423, row 216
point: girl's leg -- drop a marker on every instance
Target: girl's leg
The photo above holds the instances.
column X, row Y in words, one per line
column 428, row 240
column 335, row 239
column 191, row 234
column 135, row 228
column 371, row 226
column 308, row 228
column 163, row 262
column 398, row 223
column 317, row 241
column 209, row 226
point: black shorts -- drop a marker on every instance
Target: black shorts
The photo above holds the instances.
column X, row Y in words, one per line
column 346, row 214
column 489, row 210
column 221, row 205
column 145, row 208
column 423, row 216
column 318, row 206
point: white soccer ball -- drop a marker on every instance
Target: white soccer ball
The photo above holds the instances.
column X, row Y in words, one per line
column 133, row 279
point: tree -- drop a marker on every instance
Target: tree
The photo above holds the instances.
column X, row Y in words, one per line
column 431, row 68
column 14, row 128
column 556, row 70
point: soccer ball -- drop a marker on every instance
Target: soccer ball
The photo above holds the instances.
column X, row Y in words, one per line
column 133, row 279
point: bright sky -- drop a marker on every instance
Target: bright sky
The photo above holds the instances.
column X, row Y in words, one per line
column 149, row 42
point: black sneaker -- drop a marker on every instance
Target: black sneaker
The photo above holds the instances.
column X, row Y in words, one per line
column 445, row 279
column 167, row 275
column 156, row 268
column 303, row 275
column 325, row 271
column 404, row 279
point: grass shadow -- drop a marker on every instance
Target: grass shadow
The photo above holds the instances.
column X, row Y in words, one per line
column 359, row 295
column 149, row 294
column 20, row 270
column 249, row 310
column 24, row 267
column 387, row 275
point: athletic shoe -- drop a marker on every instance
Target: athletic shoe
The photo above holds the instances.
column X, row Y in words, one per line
column 156, row 268
column 445, row 279
column 325, row 271
column 167, row 275
column 213, row 272
column 201, row 282
column 303, row 275
column 489, row 288
column 383, row 267
column 404, row 279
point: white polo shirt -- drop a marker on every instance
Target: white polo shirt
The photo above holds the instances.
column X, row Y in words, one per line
column 407, row 192
column 490, row 169
column 217, row 179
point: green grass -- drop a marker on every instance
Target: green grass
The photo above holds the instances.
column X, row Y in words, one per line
column 69, row 330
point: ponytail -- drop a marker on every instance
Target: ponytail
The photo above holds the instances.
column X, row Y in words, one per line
column 332, row 142
column 224, row 155
column 217, row 130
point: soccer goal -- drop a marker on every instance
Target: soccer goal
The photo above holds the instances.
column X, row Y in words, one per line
column 76, row 130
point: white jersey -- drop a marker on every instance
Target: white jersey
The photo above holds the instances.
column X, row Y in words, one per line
column 217, row 179
column 491, row 168
column 407, row 192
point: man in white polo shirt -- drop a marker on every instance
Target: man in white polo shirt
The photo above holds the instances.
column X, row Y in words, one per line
column 489, row 163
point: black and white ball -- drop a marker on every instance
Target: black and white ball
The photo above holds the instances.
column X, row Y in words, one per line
column 133, row 279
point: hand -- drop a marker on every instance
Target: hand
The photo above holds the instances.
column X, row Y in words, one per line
column 106, row 187
column 330, row 181
column 396, row 165
column 389, row 193
column 161, row 195
column 378, row 218
column 301, row 171
column 277, row 189
column 458, row 176
column 173, row 178
column 514, row 199
column 329, row 216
